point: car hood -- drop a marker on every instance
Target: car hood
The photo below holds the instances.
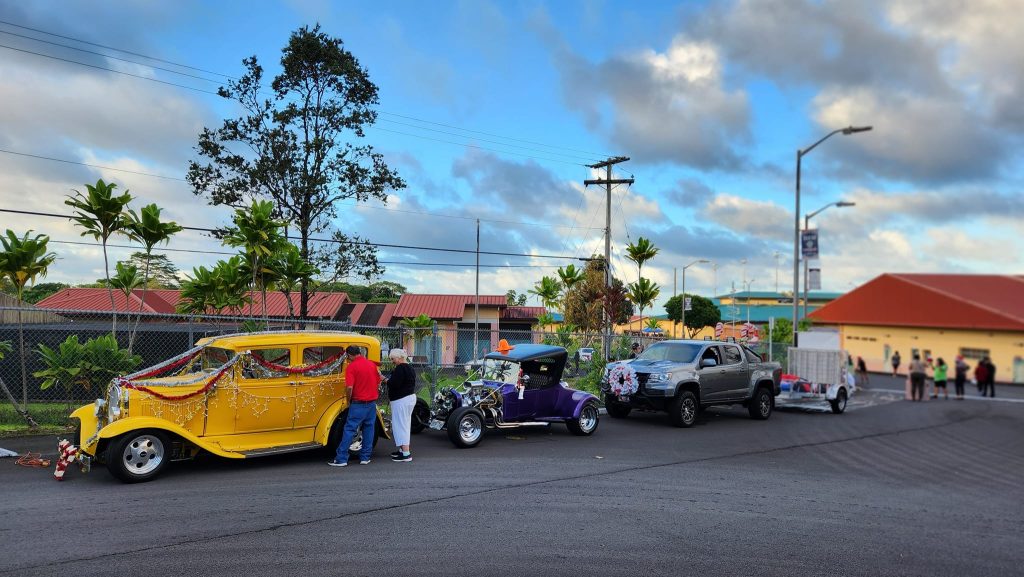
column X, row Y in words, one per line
column 645, row 366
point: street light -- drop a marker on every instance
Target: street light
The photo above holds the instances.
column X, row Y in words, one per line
column 796, row 219
column 807, row 226
column 682, row 304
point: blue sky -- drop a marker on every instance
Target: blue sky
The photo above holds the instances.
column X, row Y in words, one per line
column 710, row 100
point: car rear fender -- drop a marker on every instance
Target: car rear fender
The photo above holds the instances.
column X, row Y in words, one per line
column 582, row 399
column 691, row 386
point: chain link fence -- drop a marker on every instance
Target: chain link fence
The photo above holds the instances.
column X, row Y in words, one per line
column 440, row 354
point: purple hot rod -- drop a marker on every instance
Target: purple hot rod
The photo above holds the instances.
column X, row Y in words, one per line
column 521, row 386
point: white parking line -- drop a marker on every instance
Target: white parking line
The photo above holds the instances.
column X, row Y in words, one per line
column 970, row 398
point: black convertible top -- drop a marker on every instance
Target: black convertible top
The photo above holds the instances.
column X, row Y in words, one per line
column 529, row 352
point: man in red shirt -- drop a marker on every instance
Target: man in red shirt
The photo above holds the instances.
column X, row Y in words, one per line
column 362, row 380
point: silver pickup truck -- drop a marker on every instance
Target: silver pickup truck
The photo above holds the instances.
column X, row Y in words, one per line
column 684, row 376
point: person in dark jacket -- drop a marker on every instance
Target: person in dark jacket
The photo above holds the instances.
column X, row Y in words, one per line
column 981, row 375
column 960, row 377
column 402, row 394
column 990, row 381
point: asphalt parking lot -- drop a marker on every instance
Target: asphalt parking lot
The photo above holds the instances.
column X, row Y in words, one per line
column 889, row 488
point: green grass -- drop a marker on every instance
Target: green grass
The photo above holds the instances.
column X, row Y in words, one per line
column 50, row 415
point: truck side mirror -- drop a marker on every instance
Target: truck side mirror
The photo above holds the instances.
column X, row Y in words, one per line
column 705, row 363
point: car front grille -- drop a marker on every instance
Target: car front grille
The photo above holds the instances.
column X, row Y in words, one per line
column 641, row 380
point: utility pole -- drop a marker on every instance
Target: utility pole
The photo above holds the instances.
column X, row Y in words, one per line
column 608, row 181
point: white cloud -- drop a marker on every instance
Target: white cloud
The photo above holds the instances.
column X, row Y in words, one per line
column 761, row 219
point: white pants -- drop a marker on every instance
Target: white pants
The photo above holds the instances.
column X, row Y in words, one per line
column 401, row 419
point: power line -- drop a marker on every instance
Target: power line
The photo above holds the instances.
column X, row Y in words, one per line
column 111, row 56
column 139, row 76
column 229, row 77
column 112, row 48
column 334, row 241
column 91, row 165
column 435, row 214
column 218, row 252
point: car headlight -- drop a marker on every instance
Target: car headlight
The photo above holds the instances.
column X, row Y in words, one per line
column 660, row 378
column 101, row 407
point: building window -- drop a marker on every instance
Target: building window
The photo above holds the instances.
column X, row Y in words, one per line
column 976, row 354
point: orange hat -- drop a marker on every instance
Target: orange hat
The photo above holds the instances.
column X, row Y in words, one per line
column 503, row 347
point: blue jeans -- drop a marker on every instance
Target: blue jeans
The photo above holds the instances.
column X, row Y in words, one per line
column 360, row 416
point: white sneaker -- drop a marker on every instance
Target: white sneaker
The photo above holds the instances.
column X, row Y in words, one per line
column 366, row 462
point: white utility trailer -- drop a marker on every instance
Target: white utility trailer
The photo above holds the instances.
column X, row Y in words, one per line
column 816, row 377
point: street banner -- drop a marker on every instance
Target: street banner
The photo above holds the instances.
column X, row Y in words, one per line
column 814, row 279
column 688, row 304
column 809, row 243
column 719, row 329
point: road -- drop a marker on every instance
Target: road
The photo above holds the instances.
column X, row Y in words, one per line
column 889, row 488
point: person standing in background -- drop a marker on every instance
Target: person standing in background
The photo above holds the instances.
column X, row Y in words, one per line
column 961, row 369
column 917, row 378
column 895, row 363
column 990, row 384
column 981, row 375
column 941, row 371
column 862, row 371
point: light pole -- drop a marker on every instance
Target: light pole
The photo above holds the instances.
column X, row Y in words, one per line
column 747, row 284
column 682, row 303
column 796, row 219
column 777, row 256
column 807, row 226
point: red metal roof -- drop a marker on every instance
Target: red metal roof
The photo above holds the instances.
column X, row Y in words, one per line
column 98, row 299
column 955, row 301
column 321, row 305
column 443, row 306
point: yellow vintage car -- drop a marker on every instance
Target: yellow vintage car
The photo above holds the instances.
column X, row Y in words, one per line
column 235, row 396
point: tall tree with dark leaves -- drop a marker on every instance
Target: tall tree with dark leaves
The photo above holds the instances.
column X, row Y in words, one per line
column 294, row 148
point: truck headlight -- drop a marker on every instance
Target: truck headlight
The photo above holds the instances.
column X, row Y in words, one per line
column 660, row 378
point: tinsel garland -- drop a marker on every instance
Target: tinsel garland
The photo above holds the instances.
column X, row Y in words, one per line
column 295, row 370
column 209, row 384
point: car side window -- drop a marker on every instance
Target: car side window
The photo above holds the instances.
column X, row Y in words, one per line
column 752, row 357
column 313, row 355
column 255, row 370
column 732, row 355
column 712, row 353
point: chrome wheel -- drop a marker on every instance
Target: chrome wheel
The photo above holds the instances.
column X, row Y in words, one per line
column 143, row 455
column 470, row 428
column 588, row 419
column 765, row 405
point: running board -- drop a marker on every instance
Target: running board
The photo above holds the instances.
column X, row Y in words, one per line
column 280, row 450
column 515, row 425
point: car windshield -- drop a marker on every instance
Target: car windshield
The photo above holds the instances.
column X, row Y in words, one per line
column 674, row 352
column 501, row 371
column 214, row 358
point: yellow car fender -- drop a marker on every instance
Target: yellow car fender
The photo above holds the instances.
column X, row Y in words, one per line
column 323, row 428
column 118, row 428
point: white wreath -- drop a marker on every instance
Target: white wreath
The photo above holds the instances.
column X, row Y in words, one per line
column 622, row 379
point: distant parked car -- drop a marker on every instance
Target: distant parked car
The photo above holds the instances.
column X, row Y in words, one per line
column 586, row 354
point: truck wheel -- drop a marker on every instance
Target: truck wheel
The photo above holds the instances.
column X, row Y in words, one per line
column 760, row 407
column 138, row 456
column 839, row 403
column 420, row 416
column 682, row 411
column 465, row 427
column 616, row 410
column 587, row 423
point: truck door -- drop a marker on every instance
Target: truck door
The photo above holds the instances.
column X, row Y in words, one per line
column 737, row 373
column 713, row 382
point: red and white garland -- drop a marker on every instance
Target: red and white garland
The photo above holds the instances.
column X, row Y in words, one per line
column 622, row 379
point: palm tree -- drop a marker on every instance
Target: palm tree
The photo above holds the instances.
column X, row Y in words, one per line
column 257, row 233
column 643, row 293
column 290, row 269
column 548, row 290
column 420, row 325
column 101, row 214
column 146, row 228
column 569, row 276
column 545, row 320
column 22, row 261
column 5, row 348
column 126, row 279
column 640, row 253
column 225, row 286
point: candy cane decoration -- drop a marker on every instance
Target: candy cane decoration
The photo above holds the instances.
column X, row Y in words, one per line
column 68, row 454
